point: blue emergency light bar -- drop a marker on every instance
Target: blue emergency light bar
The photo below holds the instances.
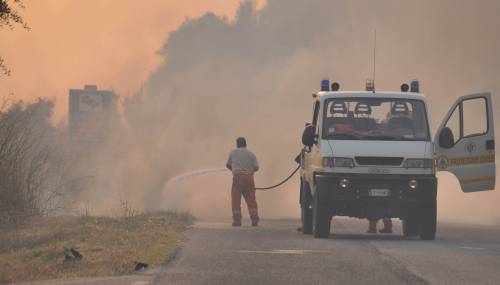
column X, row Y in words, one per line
column 325, row 85
column 415, row 86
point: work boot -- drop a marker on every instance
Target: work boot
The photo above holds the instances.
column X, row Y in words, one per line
column 236, row 218
column 372, row 228
column 387, row 227
column 255, row 223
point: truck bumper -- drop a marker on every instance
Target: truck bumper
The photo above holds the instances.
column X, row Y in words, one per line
column 357, row 200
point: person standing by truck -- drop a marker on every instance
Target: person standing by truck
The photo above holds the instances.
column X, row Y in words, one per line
column 372, row 226
column 243, row 164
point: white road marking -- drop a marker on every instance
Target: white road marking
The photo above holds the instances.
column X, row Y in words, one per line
column 472, row 248
column 283, row 251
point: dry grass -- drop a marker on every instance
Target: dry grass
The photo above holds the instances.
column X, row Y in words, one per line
column 109, row 245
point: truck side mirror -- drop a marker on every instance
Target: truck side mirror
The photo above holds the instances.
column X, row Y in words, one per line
column 308, row 136
column 446, row 139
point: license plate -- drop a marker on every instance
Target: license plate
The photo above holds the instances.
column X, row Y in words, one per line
column 379, row 192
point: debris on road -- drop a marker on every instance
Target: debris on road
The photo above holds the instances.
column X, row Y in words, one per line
column 140, row 265
column 72, row 255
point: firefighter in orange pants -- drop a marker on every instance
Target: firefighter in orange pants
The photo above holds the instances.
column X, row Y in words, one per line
column 243, row 163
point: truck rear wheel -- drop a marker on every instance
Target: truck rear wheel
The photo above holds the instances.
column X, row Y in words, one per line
column 306, row 210
column 321, row 219
column 410, row 226
column 428, row 225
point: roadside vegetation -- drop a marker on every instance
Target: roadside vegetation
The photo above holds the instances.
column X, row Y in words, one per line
column 30, row 162
column 109, row 245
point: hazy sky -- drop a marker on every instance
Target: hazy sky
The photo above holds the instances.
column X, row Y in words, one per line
column 109, row 43
column 273, row 56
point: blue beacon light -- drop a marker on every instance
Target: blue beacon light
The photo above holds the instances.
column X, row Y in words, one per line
column 415, row 86
column 325, row 85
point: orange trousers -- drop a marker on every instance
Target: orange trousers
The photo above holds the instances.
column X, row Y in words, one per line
column 244, row 185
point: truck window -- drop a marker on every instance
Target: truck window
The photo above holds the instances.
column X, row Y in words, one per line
column 475, row 117
column 454, row 124
column 315, row 113
column 375, row 119
column 316, row 122
column 469, row 118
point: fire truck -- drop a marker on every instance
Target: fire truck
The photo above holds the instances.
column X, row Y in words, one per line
column 370, row 155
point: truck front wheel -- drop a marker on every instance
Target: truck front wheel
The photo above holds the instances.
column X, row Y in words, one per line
column 321, row 219
column 428, row 225
column 410, row 225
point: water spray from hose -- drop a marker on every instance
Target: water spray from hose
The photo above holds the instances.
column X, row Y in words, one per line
column 191, row 174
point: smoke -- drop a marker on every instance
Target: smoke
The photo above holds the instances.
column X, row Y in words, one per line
column 253, row 77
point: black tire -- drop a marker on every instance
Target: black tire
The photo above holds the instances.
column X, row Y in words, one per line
column 306, row 210
column 321, row 219
column 411, row 226
column 428, row 224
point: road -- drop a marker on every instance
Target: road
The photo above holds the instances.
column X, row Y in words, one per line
column 275, row 253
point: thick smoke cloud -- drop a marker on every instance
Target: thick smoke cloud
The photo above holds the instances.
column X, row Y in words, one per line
column 253, row 77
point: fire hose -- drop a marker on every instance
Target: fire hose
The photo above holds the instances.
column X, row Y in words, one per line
column 188, row 175
column 279, row 184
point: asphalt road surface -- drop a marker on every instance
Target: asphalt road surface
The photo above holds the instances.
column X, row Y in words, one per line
column 275, row 253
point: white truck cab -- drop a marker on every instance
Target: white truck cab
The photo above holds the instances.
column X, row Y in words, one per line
column 370, row 154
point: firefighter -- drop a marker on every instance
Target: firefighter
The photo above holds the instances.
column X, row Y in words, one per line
column 372, row 228
column 243, row 163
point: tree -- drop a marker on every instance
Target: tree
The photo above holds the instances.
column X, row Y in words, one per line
column 9, row 17
column 27, row 158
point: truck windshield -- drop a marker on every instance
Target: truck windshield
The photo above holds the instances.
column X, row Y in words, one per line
column 375, row 119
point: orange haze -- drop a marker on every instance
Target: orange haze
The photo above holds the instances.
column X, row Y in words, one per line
column 109, row 43
column 273, row 55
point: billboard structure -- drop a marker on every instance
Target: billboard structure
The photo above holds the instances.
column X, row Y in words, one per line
column 91, row 115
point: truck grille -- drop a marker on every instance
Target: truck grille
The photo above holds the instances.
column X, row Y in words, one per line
column 379, row 160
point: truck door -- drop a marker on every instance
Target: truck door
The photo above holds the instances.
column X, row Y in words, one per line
column 465, row 143
column 311, row 155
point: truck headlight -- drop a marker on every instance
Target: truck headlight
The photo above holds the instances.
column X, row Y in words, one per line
column 330, row 162
column 413, row 184
column 344, row 183
column 418, row 163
